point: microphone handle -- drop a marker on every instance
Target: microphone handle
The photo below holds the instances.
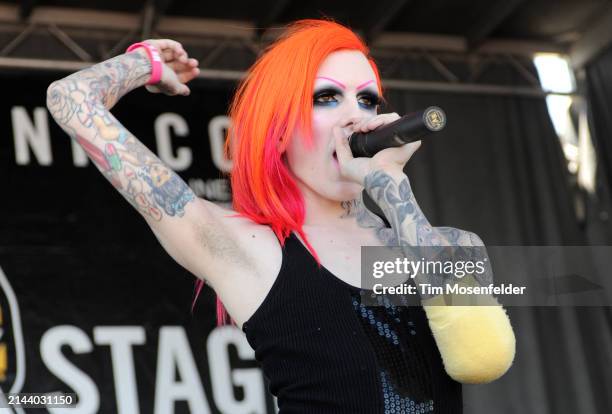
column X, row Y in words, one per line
column 409, row 128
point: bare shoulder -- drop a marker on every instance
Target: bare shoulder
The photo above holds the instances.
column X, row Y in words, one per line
column 243, row 259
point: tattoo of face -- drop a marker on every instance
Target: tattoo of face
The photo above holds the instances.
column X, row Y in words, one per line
column 350, row 208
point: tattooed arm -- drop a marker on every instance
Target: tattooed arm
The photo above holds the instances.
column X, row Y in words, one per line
column 186, row 226
column 81, row 103
column 393, row 194
column 476, row 343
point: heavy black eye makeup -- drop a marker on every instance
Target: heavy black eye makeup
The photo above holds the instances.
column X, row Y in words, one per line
column 326, row 96
column 330, row 96
column 368, row 99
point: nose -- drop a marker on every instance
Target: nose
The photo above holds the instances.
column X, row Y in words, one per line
column 346, row 125
column 346, row 122
column 353, row 109
column 351, row 113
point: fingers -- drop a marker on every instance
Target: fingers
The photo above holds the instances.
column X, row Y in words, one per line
column 343, row 150
column 169, row 85
column 175, row 56
column 409, row 149
column 361, row 124
column 163, row 44
column 183, row 90
column 168, row 55
column 180, row 55
column 357, row 168
column 370, row 124
column 185, row 77
column 179, row 68
column 400, row 155
column 185, row 71
column 152, row 88
column 170, row 91
column 170, row 50
column 178, row 88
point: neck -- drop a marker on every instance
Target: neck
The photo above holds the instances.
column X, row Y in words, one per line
column 321, row 211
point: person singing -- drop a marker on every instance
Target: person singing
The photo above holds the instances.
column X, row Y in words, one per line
column 285, row 262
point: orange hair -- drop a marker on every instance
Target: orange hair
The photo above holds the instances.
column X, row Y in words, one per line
column 271, row 103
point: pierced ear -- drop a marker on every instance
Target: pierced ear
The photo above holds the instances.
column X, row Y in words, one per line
column 282, row 144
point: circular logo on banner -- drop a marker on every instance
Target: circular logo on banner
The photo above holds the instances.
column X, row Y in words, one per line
column 12, row 351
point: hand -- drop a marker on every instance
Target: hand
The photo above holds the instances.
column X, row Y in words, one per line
column 177, row 68
column 390, row 159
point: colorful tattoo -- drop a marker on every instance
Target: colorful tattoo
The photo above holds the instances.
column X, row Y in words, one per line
column 81, row 103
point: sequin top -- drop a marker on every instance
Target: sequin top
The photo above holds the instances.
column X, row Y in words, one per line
column 323, row 351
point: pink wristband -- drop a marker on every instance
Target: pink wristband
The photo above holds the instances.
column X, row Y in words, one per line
column 154, row 58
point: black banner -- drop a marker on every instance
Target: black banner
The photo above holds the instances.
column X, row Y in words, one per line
column 90, row 302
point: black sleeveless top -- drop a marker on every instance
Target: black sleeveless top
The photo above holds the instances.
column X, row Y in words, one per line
column 324, row 352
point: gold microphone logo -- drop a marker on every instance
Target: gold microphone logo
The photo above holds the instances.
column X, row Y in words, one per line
column 434, row 118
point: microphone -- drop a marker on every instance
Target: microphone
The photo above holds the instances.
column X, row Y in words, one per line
column 409, row 128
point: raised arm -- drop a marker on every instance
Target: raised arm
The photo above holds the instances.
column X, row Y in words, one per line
column 81, row 103
column 188, row 227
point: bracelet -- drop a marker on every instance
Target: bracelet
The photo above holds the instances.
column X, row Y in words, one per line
column 154, row 58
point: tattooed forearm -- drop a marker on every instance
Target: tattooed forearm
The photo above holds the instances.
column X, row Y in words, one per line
column 406, row 217
column 457, row 237
column 85, row 97
column 367, row 219
column 80, row 104
column 107, row 81
column 402, row 211
column 410, row 227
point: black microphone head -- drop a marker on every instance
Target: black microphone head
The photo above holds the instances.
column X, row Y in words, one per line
column 409, row 128
column 434, row 118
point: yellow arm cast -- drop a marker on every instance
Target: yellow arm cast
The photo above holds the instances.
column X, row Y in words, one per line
column 476, row 343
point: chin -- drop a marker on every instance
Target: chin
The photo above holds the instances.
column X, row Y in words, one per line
column 331, row 188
